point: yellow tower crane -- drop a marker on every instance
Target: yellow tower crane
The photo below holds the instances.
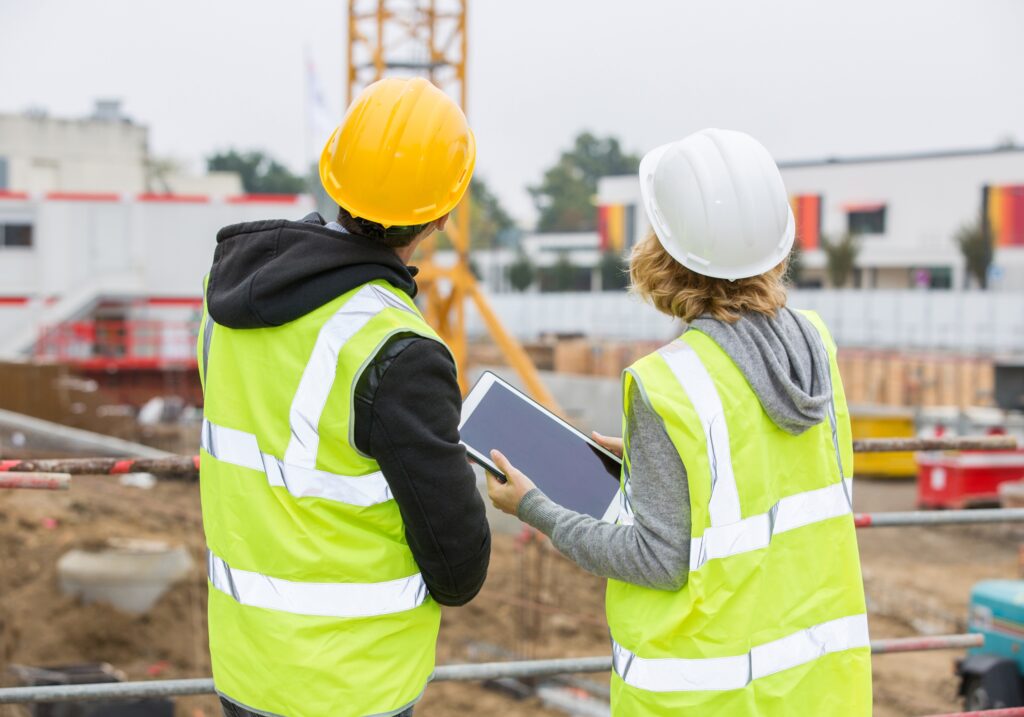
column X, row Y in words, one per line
column 429, row 38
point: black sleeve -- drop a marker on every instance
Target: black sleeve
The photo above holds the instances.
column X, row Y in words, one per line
column 407, row 406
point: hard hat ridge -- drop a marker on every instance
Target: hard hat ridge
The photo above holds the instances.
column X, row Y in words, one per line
column 717, row 203
column 403, row 155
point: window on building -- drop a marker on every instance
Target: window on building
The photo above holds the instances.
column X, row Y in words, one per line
column 15, row 235
column 3, row 173
column 866, row 220
column 932, row 277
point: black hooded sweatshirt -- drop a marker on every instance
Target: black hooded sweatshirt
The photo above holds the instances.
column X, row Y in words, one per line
column 407, row 400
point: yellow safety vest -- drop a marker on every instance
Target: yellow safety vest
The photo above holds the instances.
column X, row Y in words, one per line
column 316, row 605
column 772, row 619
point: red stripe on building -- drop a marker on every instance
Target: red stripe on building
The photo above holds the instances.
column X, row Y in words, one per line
column 84, row 196
column 264, row 199
column 13, row 300
column 174, row 198
column 175, row 301
column 4, row 194
column 1013, row 204
column 807, row 216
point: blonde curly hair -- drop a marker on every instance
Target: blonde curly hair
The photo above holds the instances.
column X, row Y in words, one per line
column 675, row 290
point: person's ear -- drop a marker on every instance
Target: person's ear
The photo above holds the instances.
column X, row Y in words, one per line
column 439, row 223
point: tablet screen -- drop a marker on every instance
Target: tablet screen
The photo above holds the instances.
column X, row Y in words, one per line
column 560, row 460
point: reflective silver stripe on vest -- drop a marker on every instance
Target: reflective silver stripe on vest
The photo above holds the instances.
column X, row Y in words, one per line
column 689, row 370
column 318, row 599
column 733, row 673
column 207, row 337
column 242, row 449
column 756, row 532
column 319, row 374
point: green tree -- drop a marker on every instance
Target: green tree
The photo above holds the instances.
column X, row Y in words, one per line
column 521, row 272
column 795, row 269
column 840, row 258
column 260, row 173
column 976, row 244
column 614, row 271
column 561, row 276
column 489, row 223
column 565, row 194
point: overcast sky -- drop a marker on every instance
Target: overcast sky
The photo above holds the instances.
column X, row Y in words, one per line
column 809, row 78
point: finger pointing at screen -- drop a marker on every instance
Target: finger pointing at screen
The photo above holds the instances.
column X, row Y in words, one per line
column 506, row 496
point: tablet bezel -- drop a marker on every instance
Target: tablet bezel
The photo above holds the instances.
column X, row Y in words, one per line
column 484, row 384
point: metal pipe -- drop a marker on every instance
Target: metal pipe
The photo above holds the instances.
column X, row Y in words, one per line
column 1007, row 712
column 188, row 466
column 36, row 481
column 893, row 519
column 945, row 443
column 920, row 644
column 106, row 691
column 444, row 673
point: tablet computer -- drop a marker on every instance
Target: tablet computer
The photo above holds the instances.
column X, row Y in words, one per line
column 566, row 464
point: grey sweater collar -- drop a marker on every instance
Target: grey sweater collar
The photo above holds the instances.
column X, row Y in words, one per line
column 784, row 362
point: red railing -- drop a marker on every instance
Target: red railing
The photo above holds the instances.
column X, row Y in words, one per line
column 114, row 344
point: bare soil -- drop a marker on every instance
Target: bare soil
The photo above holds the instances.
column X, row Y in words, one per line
column 535, row 603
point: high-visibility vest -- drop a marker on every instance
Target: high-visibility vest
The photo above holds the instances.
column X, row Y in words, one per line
column 316, row 605
column 772, row 619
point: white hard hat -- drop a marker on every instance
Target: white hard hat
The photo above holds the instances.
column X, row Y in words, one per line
column 717, row 204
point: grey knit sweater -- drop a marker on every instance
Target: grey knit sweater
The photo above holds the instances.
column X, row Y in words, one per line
column 787, row 367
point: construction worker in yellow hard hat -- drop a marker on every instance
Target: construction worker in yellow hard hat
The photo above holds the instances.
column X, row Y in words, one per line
column 734, row 577
column 338, row 505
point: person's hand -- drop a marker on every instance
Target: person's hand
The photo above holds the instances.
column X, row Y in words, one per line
column 612, row 445
column 506, row 496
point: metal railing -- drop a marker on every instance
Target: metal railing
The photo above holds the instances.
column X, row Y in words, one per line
column 445, row 673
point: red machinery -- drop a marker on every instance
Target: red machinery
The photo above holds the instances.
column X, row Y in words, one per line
column 965, row 479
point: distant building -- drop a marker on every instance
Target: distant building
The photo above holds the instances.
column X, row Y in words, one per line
column 906, row 209
column 103, row 249
column 106, row 152
column 113, row 280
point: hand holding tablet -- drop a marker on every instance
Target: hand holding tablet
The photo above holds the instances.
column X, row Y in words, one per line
column 569, row 467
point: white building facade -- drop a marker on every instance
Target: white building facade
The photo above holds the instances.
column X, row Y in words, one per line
column 103, row 248
column 84, row 257
column 905, row 209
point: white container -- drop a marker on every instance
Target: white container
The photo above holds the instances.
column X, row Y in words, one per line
column 129, row 574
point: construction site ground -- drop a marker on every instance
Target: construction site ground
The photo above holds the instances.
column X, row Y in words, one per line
column 535, row 603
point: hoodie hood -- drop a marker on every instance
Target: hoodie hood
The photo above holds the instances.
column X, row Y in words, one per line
column 268, row 273
column 783, row 360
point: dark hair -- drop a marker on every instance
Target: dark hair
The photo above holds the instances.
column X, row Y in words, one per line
column 392, row 237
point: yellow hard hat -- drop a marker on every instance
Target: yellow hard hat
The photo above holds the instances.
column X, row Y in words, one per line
column 403, row 155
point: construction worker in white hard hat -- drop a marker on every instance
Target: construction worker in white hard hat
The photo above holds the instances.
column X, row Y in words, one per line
column 338, row 505
column 734, row 584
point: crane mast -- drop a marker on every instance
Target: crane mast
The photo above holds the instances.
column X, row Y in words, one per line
column 428, row 38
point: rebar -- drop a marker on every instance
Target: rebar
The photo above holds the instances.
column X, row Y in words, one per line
column 445, row 673
column 36, row 481
column 187, row 467
column 951, row 443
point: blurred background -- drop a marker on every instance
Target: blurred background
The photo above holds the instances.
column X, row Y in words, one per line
column 130, row 132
